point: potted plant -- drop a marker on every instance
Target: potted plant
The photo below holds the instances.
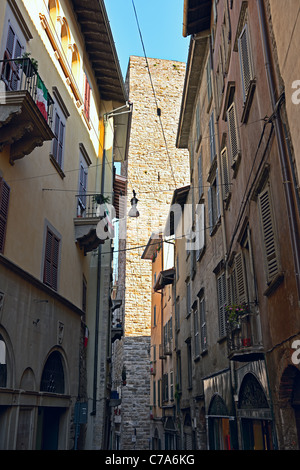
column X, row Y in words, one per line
column 28, row 64
column 100, row 199
column 234, row 313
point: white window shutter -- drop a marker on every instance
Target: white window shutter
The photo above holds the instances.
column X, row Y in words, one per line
column 233, row 132
column 245, row 60
column 224, row 163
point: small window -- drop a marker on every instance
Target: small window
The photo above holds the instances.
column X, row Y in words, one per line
column 214, row 211
column 59, row 139
column 203, row 326
column 51, row 259
column 212, row 137
column 196, row 333
column 200, row 176
column 4, row 202
column 221, row 293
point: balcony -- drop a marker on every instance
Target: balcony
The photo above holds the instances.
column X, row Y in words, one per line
column 243, row 334
column 25, row 108
column 90, row 211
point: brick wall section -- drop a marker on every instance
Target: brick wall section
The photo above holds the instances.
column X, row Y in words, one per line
column 154, row 168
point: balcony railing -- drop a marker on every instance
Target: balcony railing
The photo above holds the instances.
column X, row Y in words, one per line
column 21, row 74
column 244, row 341
column 90, row 205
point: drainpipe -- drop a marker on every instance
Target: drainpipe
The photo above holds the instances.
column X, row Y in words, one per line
column 278, row 126
column 93, row 413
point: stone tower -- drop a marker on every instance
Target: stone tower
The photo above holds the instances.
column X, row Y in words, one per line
column 154, row 168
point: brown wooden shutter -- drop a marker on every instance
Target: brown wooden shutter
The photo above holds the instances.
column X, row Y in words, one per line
column 268, row 233
column 4, row 201
column 51, row 260
column 240, row 279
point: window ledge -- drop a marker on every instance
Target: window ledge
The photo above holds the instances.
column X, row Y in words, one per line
column 56, row 166
column 248, row 101
column 276, row 281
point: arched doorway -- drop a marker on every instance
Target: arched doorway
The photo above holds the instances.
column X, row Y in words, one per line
column 52, row 382
column 289, row 399
column 255, row 415
column 218, row 425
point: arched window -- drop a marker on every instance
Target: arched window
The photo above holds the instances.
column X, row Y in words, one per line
column 75, row 64
column 53, row 11
column 53, row 375
column 3, row 363
column 65, row 36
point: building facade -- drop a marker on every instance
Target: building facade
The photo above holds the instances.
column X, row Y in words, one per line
column 236, row 296
column 57, row 136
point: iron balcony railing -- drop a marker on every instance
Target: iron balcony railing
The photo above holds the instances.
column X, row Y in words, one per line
column 244, row 340
column 90, row 205
column 20, row 74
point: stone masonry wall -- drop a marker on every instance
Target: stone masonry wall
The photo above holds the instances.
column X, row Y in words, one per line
column 154, row 168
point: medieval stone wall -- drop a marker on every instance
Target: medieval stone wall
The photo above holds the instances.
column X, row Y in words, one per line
column 154, row 168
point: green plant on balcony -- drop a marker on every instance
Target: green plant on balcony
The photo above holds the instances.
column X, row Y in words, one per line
column 30, row 66
column 100, row 199
column 234, row 313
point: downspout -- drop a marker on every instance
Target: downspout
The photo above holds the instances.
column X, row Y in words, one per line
column 93, row 413
column 284, row 159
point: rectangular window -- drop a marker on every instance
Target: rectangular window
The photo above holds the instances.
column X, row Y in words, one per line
column 188, row 298
column 200, row 230
column 200, row 176
column 154, row 392
column 208, row 77
column 177, row 314
column 51, row 259
column 221, row 292
column 198, row 129
column 58, row 141
column 245, row 60
column 154, row 316
column 214, row 210
column 4, row 202
column 13, row 49
column 165, row 387
column 171, row 386
column 189, row 364
column 268, row 234
column 196, row 334
column 212, row 137
column 203, row 324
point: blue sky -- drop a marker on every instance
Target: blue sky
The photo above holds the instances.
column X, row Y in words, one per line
column 160, row 23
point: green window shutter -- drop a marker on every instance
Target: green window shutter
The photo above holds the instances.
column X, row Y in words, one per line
column 268, row 234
